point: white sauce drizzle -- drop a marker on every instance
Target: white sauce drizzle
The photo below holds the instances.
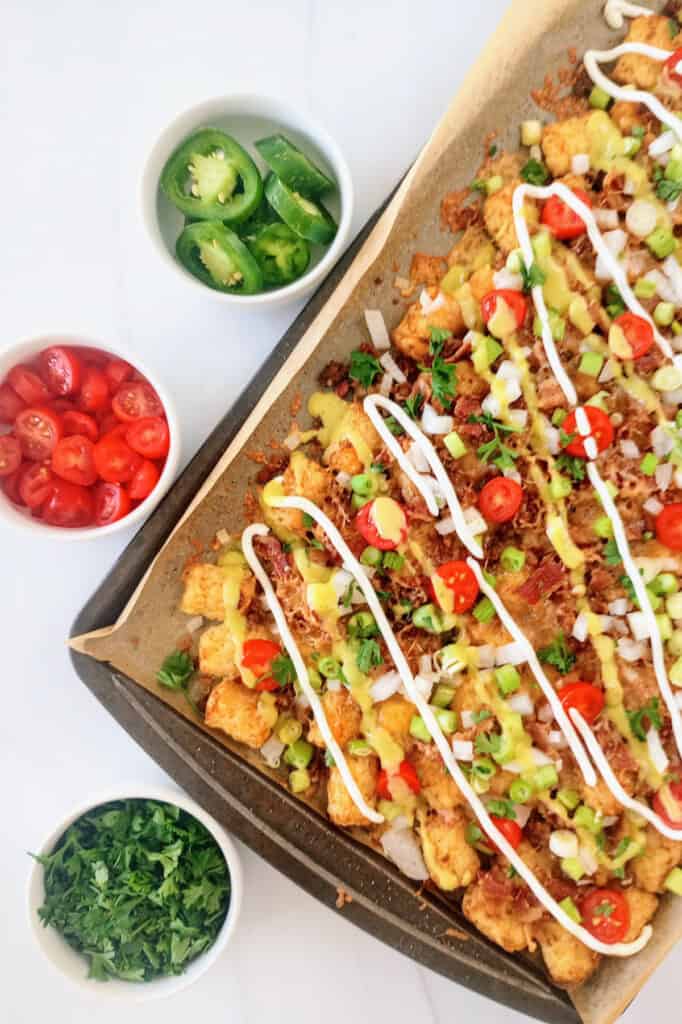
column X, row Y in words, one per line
column 530, row 656
column 592, row 60
column 261, row 530
column 621, row 949
column 463, row 531
column 585, row 431
column 615, row 10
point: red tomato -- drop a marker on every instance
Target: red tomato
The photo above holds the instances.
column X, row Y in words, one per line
column 670, row 67
column 117, row 371
column 500, row 499
column 107, row 422
column 638, row 332
column 561, row 219
column 515, row 300
column 10, row 485
column 511, row 830
column 258, row 653
column 111, row 502
column 35, row 484
column 460, row 579
column 72, row 459
column 115, row 461
column 605, row 914
column 69, row 505
column 601, row 429
column 10, row 454
column 38, row 430
column 10, row 404
column 94, row 393
column 669, row 526
column 149, row 437
column 668, row 802
column 407, row 773
column 61, row 369
column 267, row 685
column 365, row 525
column 145, row 480
column 28, row 385
column 62, row 405
column 584, row 697
column 74, row 422
column 135, row 400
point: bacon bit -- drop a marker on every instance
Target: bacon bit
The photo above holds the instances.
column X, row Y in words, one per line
column 547, row 578
column 342, row 897
column 455, row 933
column 296, row 403
column 552, row 96
column 454, row 214
column 275, row 553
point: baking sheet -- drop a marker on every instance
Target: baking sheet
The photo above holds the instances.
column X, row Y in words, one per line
column 497, row 93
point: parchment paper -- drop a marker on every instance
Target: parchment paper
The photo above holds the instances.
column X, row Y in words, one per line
column 533, row 39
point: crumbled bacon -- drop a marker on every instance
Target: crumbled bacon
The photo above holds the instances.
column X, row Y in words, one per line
column 273, row 551
column 547, row 578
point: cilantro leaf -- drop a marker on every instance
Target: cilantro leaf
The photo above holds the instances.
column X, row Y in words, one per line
column 647, row 717
column 478, row 185
column 495, row 450
column 176, row 670
column 364, row 368
column 282, row 669
column 368, row 656
column 443, row 381
column 532, row 276
column 612, row 555
column 502, row 809
column 412, row 405
column 673, row 27
column 628, row 586
column 439, row 335
column 572, row 465
column 393, row 425
column 535, row 172
column 558, row 654
column 613, row 301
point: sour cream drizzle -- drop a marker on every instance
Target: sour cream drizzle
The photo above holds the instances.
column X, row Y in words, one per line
column 261, row 530
column 621, row 949
column 614, row 10
column 592, row 60
column 437, row 467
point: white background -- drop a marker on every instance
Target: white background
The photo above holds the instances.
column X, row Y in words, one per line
column 85, row 88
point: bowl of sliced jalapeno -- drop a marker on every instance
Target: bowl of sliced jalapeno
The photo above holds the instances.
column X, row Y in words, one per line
column 247, row 199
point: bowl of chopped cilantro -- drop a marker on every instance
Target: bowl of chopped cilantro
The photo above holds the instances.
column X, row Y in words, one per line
column 135, row 896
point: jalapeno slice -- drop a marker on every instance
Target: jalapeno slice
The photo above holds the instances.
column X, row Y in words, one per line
column 293, row 167
column 210, row 177
column 281, row 255
column 308, row 219
column 214, row 254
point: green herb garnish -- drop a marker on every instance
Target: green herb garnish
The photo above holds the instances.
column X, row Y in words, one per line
column 176, row 670
column 535, row 173
column 364, row 368
column 412, row 405
column 650, row 714
column 502, row 809
column 532, row 276
column 488, row 743
column 368, row 656
column 282, row 669
column 558, row 654
column 613, row 301
column 612, row 555
column 496, row 451
column 571, row 465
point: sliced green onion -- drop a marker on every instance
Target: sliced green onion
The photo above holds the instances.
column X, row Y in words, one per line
column 591, row 363
column 508, row 679
column 484, row 610
column 299, row 780
column 512, row 560
column 299, row 754
column 418, row 729
column 455, row 445
column 371, row 556
column 442, row 696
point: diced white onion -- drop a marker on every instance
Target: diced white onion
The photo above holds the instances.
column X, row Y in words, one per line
column 564, row 843
column 272, row 750
column 391, row 367
column 619, row 606
column 468, row 719
column 545, row 713
column 519, row 417
column 195, row 623
column 651, row 567
column 580, row 626
column 663, row 476
column 661, row 441
column 415, row 454
column 433, row 423
column 606, row 219
column 425, row 664
column 557, row 739
column 344, row 478
column 485, row 655
column 540, row 758
column 463, row 750
column 508, row 279
column 507, row 370
column 512, row 474
column 602, row 268
column 630, row 187
column 385, row 686
column 376, row 326
column 521, row 704
column 491, row 405
column 580, row 163
column 658, row 756
column 673, row 271
column 510, row 654
column 302, row 700
column 401, row 846
column 615, row 241
column 673, row 397
column 432, row 485
column 292, row 440
column 605, row 622
column 523, row 814
column 334, row 685
column 641, row 218
column 663, row 286
column 340, row 581
column 628, row 650
column 630, row 449
column 653, row 506
column 424, row 684
column 639, row 625
column 588, row 860
column 385, row 385
column 662, row 144
column 474, row 520
column 620, row 627
column 223, row 536
column 552, row 437
column 445, row 526
column 430, row 305
column 608, row 372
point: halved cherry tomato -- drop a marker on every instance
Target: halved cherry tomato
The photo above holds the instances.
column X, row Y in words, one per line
column 268, row 685
column 605, row 914
column 72, row 459
column 144, row 481
column 584, row 697
column 94, row 393
column 366, row 525
column 638, row 332
column 117, row 371
column 149, row 437
column 61, row 369
column 561, row 220
column 115, row 461
column 669, row 526
column 670, row 67
column 601, row 429
column 511, row 830
column 500, row 499
column 62, row 405
column 668, row 802
column 107, row 421
column 515, row 300
column 258, row 653
column 135, row 400
column 10, row 404
column 10, row 454
column 406, row 771
column 10, row 486
column 35, row 484
column 75, row 422
column 111, row 503
column 38, row 430
column 69, row 505
column 28, row 385
column 460, row 579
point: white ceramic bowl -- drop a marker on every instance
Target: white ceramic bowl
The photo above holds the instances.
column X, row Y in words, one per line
column 72, row 965
column 247, row 117
column 13, row 516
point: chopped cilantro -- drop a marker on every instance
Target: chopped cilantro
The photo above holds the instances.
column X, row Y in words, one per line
column 638, row 132
column 613, row 301
column 315, row 543
column 612, row 555
column 393, row 425
column 535, row 173
column 622, row 846
column 558, row 654
column 439, row 335
column 368, row 655
column 502, row 809
column 496, row 451
column 673, row 27
column 443, row 381
column 511, row 871
column 474, row 834
column 604, row 909
column 308, row 521
column 176, row 670
column 492, row 150
column 649, row 715
column 329, row 759
column 572, row 465
column 488, row 743
column 282, row 669
column 628, row 586
column 348, row 594
column 412, row 405
column 532, row 276
column 364, row 368
column 478, row 185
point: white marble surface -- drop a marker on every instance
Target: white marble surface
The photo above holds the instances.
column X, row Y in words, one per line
column 85, row 87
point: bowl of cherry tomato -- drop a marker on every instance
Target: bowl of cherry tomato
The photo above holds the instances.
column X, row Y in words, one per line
column 88, row 441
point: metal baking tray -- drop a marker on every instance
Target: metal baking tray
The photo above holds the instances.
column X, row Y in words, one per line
column 296, row 840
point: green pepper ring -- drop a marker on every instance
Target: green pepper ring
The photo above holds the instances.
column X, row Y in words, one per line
column 229, row 246
column 293, row 167
column 308, row 219
column 282, row 255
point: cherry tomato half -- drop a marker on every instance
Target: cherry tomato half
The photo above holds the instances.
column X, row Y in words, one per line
column 460, row 579
column 668, row 804
column 135, row 400
column 117, row 371
column 115, row 461
column 72, row 459
column 382, row 510
column 10, row 404
column 561, row 220
column 10, row 454
column 601, row 429
column 511, row 830
column 500, row 499
column 516, row 301
column 38, row 430
column 638, row 332
column 10, row 486
column 35, row 484
column 584, row 697
column 75, row 422
column 149, row 437
column 94, row 393
column 268, row 685
column 111, row 503
column 69, row 505
column 406, row 771
column 28, row 385
column 669, row 526
column 258, row 653
column 61, row 369
column 605, row 914
column 670, row 67
column 144, row 481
